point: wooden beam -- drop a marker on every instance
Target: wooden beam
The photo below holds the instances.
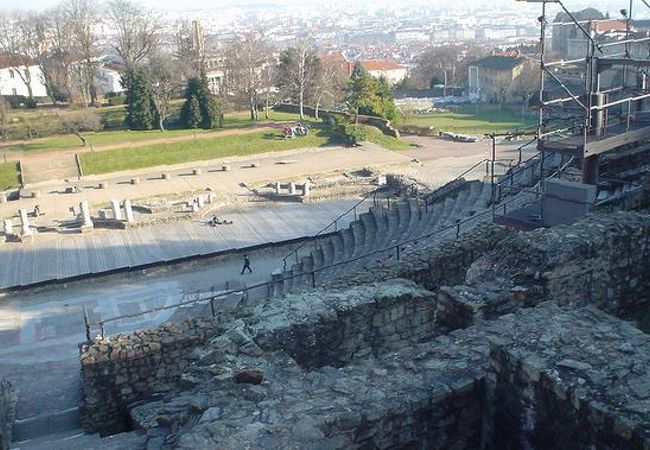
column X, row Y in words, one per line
column 596, row 147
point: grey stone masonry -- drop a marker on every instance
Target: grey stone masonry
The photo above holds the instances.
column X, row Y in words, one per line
column 503, row 384
column 8, row 400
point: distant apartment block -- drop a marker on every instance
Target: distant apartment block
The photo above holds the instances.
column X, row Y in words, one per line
column 491, row 77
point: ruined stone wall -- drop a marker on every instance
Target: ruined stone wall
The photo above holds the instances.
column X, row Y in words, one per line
column 317, row 329
column 7, row 413
column 388, row 320
column 590, row 392
column 127, row 368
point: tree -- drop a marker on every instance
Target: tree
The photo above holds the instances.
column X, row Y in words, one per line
column 165, row 82
column 447, row 64
column 406, row 84
column 140, row 108
column 201, row 107
column 246, row 58
column 369, row 95
column 138, row 31
column 329, row 85
column 60, row 40
column 77, row 122
column 16, row 42
column 526, row 84
column 81, row 17
column 193, row 113
column 298, row 71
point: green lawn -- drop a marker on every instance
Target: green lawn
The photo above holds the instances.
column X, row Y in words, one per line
column 198, row 150
column 377, row 137
column 71, row 142
column 9, row 176
column 472, row 119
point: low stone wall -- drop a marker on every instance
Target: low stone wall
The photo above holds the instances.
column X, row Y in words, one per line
column 126, row 368
column 349, row 325
column 8, row 400
column 574, row 388
column 377, row 122
column 498, row 385
column 316, row 329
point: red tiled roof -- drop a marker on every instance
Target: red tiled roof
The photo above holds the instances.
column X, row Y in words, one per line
column 610, row 25
column 380, row 65
column 11, row 60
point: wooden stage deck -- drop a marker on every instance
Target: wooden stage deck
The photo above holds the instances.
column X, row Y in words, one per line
column 60, row 257
column 616, row 137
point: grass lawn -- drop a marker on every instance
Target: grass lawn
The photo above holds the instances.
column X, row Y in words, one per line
column 472, row 119
column 9, row 176
column 116, row 137
column 377, row 137
column 198, row 150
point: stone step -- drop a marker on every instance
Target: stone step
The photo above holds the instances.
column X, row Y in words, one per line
column 46, row 424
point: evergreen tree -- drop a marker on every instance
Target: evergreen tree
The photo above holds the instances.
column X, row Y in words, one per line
column 193, row 119
column 370, row 96
column 140, row 109
column 209, row 110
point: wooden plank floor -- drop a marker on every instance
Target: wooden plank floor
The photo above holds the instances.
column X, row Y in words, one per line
column 69, row 255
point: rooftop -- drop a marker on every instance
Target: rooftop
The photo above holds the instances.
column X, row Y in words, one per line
column 499, row 62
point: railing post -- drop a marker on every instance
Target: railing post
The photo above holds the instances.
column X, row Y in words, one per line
column 101, row 329
column 398, row 251
column 87, row 324
column 313, row 279
column 457, row 230
column 336, row 226
column 355, row 213
column 212, row 306
column 284, row 264
column 388, row 205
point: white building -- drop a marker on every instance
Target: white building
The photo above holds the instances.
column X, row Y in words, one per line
column 11, row 81
column 108, row 79
column 392, row 72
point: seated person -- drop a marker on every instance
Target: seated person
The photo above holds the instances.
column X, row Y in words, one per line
column 37, row 211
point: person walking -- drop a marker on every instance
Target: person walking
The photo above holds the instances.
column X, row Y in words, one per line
column 247, row 265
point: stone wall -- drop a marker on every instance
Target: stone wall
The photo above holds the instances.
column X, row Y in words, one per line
column 348, row 325
column 126, row 368
column 573, row 388
column 8, row 400
column 316, row 329
column 377, row 122
column 469, row 389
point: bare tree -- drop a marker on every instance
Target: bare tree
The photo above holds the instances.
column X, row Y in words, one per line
column 77, row 122
column 269, row 79
column 60, row 40
column 165, row 82
column 246, row 59
column 81, row 17
column 138, row 31
column 329, row 86
column 299, row 69
column 16, row 45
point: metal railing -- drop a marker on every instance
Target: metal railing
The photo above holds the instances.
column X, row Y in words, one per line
column 244, row 291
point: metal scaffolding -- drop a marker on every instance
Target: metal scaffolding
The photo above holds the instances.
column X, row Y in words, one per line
column 596, row 103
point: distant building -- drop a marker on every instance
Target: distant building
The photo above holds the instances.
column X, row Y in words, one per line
column 410, row 35
column 490, row 77
column 11, row 81
column 108, row 79
column 564, row 30
column 392, row 72
column 215, row 73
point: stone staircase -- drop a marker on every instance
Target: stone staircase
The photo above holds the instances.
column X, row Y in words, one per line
column 375, row 235
column 58, row 168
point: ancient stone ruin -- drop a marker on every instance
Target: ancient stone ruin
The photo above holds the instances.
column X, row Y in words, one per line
column 495, row 340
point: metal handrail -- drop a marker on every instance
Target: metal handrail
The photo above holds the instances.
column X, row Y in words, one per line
column 396, row 247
